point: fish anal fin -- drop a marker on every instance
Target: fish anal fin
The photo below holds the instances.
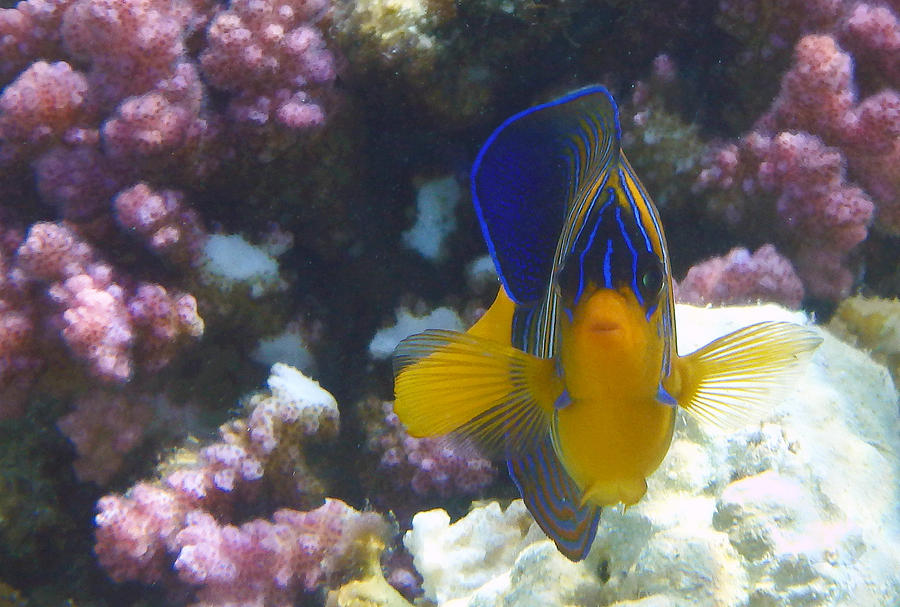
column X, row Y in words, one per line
column 555, row 501
column 496, row 397
column 735, row 379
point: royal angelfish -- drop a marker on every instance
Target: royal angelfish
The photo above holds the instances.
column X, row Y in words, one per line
column 572, row 376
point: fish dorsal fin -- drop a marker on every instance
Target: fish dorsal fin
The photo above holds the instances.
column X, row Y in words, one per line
column 489, row 394
column 734, row 380
column 532, row 184
column 554, row 500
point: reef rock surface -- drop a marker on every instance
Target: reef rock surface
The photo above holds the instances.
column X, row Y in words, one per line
column 799, row 509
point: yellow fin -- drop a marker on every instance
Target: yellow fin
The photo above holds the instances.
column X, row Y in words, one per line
column 495, row 323
column 491, row 394
column 734, row 380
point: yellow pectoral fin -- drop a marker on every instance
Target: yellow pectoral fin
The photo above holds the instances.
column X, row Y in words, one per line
column 735, row 379
column 495, row 323
column 498, row 397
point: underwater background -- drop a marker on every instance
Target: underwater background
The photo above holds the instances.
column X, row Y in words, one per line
column 205, row 206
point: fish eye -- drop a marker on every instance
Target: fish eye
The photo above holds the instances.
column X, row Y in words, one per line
column 650, row 277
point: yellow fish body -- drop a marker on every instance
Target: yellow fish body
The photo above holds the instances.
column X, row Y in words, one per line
column 572, row 376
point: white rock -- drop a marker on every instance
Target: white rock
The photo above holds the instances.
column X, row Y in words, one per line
column 385, row 340
column 229, row 260
column 800, row 509
column 436, row 203
column 484, row 544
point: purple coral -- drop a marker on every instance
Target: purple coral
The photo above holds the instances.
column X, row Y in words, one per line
column 742, row 278
column 104, row 323
column 43, row 105
column 427, row 466
column 816, row 136
column 104, row 427
column 105, row 117
column 272, row 55
column 265, row 562
column 180, row 531
column 162, row 221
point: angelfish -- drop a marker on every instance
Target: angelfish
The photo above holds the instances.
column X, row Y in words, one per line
column 572, row 375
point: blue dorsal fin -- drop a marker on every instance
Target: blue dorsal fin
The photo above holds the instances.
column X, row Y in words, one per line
column 532, row 183
column 553, row 500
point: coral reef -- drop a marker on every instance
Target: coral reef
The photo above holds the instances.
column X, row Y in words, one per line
column 831, row 122
column 193, row 191
column 797, row 508
column 114, row 118
column 411, row 470
column 104, row 427
column 58, row 281
column 741, row 278
column 872, row 323
column 182, row 529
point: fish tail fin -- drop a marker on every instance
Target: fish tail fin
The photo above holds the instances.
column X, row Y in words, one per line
column 735, row 379
column 487, row 393
column 555, row 501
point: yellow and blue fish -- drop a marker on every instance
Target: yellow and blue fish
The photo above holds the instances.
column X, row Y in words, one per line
column 572, row 376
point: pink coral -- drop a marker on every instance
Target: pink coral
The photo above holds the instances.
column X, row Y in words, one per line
column 816, row 137
column 268, row 562
column 96, row 326
column 162, row 220
column 104, row 427
column 42, row 104
column 135, row 532
column 52, row 252
column 160, row 320
column 130, row 44
column 180, row 531
column 273, row 54
column 836, row 119
column 148, row 124
column 28, row 31
column 741, row 278
column 102, row 98
column 103, row 323
column 817, row 93
column 822, row 217
column 427, row 466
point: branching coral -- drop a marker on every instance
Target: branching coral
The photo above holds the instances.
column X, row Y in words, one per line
column 184, row 529
column 831, row 123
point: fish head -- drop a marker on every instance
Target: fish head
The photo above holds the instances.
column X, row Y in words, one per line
column 614, row 288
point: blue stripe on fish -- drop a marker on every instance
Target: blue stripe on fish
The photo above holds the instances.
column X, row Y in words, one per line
column 553, row 499
column 634, row 260
column 607, row 272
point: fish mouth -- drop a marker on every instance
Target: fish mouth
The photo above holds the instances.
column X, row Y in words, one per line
column 600, row 326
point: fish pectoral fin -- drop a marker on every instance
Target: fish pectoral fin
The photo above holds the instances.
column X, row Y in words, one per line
column 487, row 393
column 555, row 501
column 735, row 380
